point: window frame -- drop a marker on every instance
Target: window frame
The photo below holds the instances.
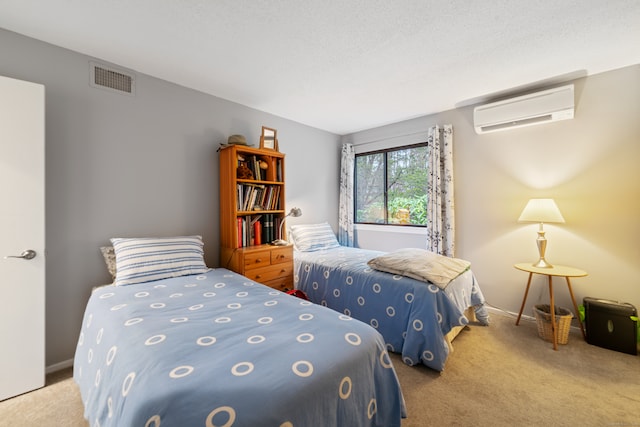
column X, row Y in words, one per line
column 384, row 151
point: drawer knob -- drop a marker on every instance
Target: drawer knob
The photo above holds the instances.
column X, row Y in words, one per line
column 258, row 260
column 258, row 276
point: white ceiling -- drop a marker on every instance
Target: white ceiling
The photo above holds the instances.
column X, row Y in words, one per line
column 343, row 65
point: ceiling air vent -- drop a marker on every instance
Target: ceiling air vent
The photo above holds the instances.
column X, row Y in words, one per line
column 111, row 78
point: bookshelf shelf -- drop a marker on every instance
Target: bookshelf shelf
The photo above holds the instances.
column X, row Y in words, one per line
column 251, row 211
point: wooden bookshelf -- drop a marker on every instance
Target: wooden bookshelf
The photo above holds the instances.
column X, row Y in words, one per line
column 251, row 211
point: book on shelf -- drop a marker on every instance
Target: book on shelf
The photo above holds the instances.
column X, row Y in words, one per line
column 276, row 228
column 279, row 170
column 254, row 165
column 255, row 226
column 257, row 233
column 262, row 197
column 251, row 230
column 267, row 228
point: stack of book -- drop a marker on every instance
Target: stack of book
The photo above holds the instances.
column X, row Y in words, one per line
column 258, row 229
column 258, row 197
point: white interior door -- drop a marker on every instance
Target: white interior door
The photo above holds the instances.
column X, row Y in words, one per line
column 22, row 225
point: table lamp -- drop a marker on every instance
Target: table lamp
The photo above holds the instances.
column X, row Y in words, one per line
column 541, row 211
column 294, row 212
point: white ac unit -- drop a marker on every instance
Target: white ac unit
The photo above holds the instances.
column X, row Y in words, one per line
column 531, row 109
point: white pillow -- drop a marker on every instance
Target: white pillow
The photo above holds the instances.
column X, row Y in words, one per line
column 140, row 260
column 313, row 237
column 421, row 264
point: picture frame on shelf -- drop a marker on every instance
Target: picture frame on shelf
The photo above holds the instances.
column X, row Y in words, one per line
column 269, row 139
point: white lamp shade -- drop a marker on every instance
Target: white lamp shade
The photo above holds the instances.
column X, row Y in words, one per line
column 541, row 210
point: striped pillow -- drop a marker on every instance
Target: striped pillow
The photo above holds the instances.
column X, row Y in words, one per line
column 140, row 260
column 313, row 237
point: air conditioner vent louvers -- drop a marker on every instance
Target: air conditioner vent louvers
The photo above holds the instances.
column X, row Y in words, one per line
column 105, row 77
column 518, row 123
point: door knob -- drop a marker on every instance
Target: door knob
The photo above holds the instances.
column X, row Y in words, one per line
column 28, row 254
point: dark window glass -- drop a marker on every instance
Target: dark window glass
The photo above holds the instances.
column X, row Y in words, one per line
column 391, row 186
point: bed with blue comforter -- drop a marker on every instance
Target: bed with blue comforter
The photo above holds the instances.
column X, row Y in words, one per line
column 413, row 316
column 217, row 349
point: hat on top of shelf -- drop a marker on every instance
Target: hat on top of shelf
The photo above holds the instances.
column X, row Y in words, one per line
column 237, row 140
column 234, row 140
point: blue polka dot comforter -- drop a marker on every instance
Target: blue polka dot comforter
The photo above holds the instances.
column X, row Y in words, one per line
column 413, row 316
column 220, row 350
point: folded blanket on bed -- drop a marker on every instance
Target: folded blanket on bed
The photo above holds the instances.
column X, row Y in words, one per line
column 421, row 264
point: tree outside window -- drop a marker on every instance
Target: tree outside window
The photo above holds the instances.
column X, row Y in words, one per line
column 391, row 186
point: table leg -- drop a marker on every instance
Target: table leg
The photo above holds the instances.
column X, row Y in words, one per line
column 553, row 315
column 526, row 292
column 575, row 307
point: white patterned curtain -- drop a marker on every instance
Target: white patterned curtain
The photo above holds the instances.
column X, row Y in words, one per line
column 345, row 213
column 440, row 207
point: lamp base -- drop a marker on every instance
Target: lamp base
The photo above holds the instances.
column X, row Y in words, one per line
column 541, row 242
column 280, row 242
column 542, row 263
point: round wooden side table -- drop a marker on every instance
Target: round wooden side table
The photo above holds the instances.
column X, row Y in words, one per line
column 559, row 271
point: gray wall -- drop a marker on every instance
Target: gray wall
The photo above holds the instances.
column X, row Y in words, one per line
column 147, row 165
column 143, row 165
column 588, row 164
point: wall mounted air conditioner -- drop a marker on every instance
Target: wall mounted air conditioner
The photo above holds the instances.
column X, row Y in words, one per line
column 531, row 109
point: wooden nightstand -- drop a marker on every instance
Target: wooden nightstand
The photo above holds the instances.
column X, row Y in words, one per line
column 266, row 264
column 556, row 270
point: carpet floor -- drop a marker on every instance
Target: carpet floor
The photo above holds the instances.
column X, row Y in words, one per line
column 501, row 375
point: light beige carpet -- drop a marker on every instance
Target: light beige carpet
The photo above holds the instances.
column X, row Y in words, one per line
column 501, row 375
column 505, row 375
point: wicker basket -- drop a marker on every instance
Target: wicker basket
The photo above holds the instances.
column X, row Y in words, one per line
column 542, row 313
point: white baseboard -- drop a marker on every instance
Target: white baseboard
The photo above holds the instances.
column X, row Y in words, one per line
column 59, row 366
column 498, row 310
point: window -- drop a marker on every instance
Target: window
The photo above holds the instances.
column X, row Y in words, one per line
column 391, row 186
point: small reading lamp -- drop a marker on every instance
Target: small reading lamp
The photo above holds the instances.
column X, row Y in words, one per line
column 294, row 212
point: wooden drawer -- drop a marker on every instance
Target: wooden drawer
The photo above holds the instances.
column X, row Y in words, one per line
column 281, row 255
column 257, row 259
column 266, row 264
column 281, row 284
column 266, row 274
